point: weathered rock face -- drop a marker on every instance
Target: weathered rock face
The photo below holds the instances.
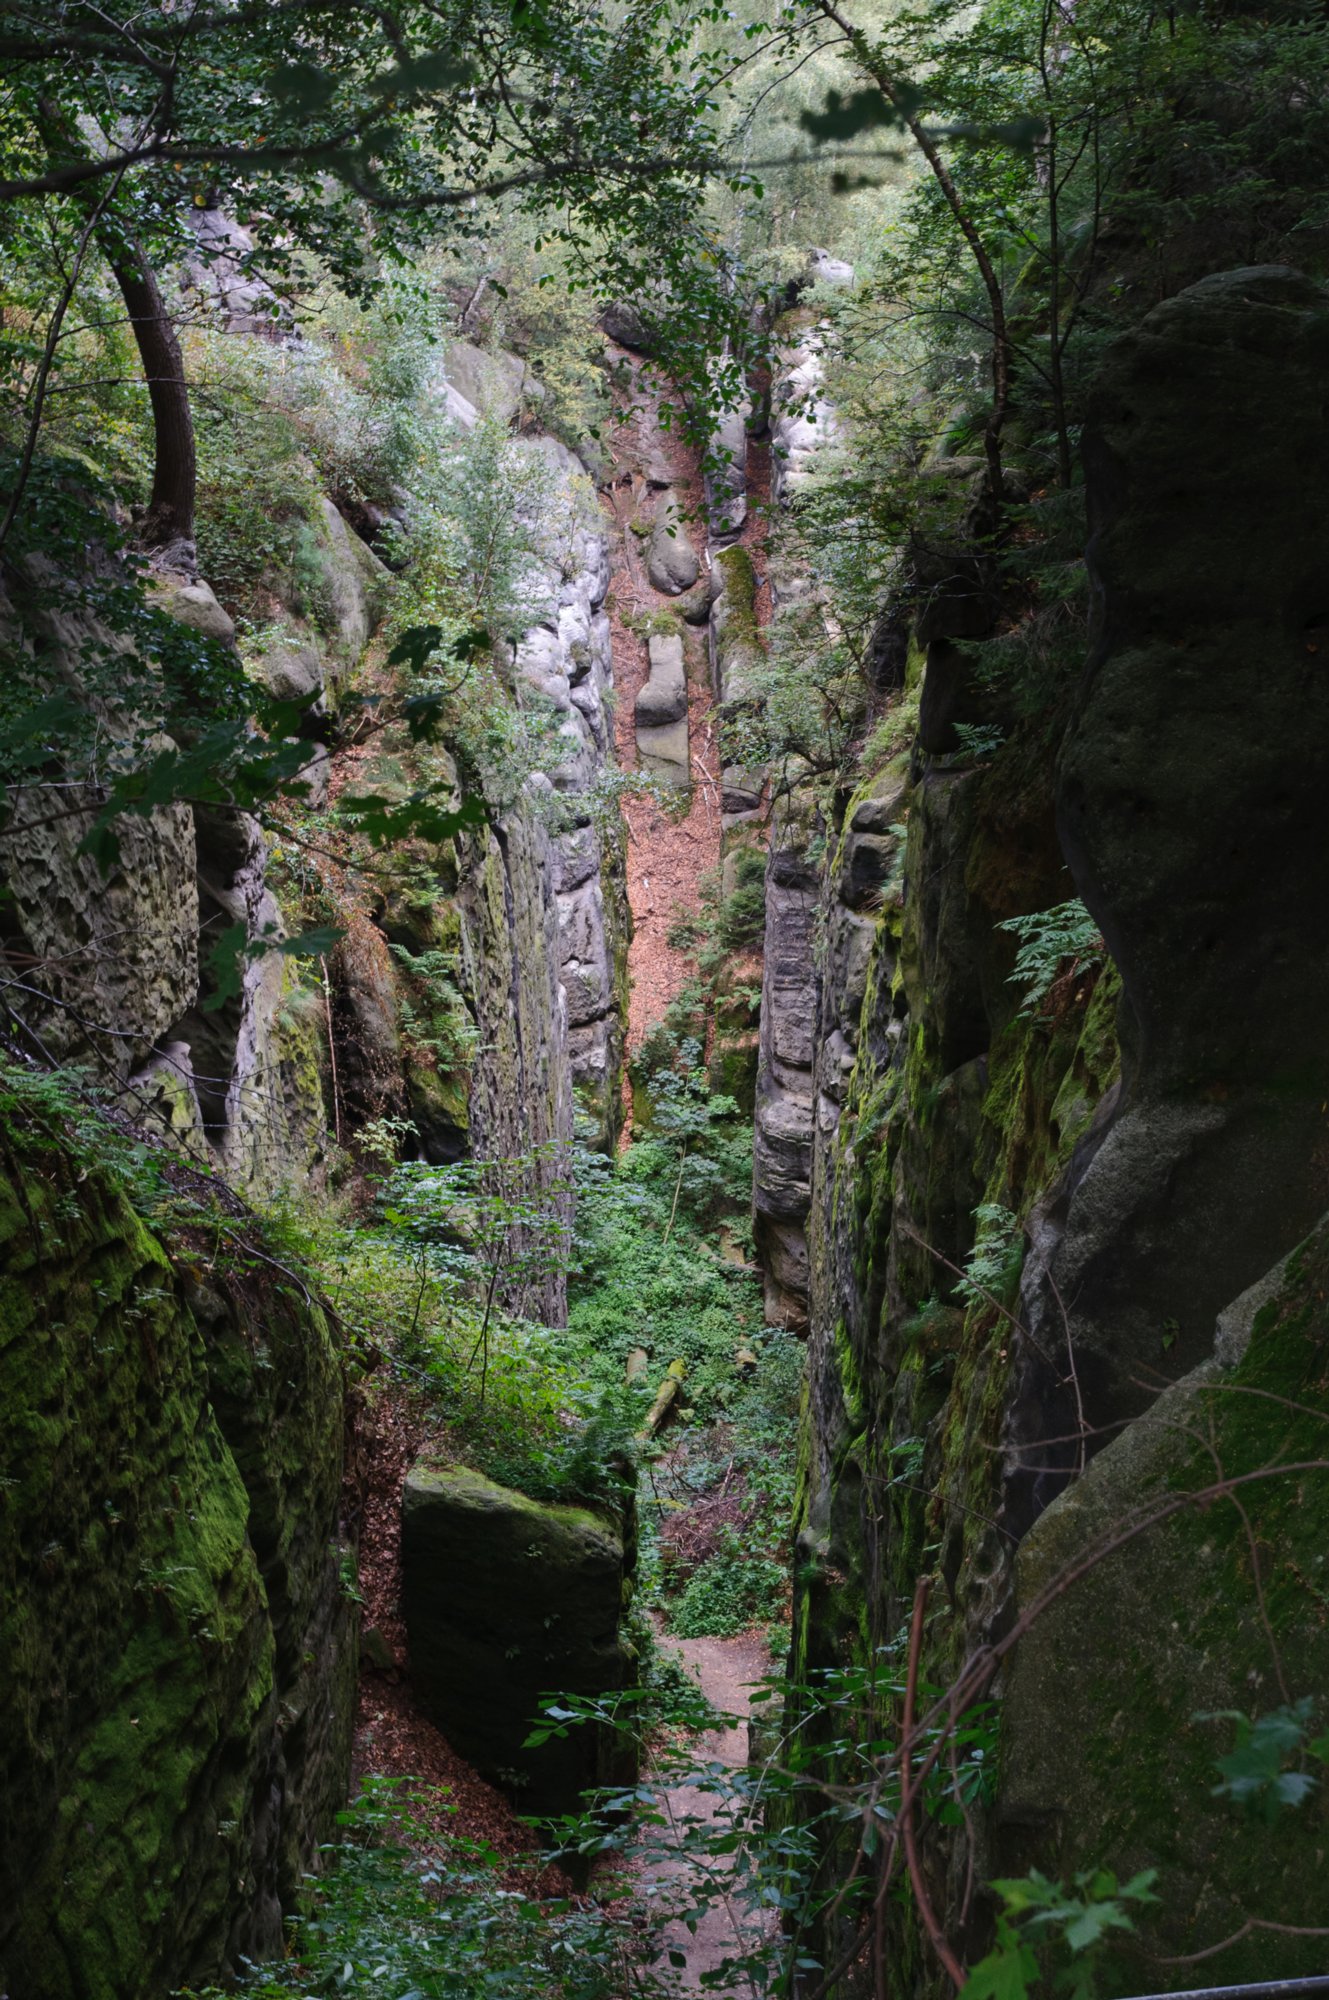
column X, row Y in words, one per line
column 568, row 658
column 786, row 1081
column 311, row 653
column 113, row 964
column 782, row 1126
column 521, row 1083
column 177, row 1652
column 492, row 382
column 507, row 1599
column 1196, row 826
column 224, row 273
column 661, row 713
column 734, row 640
column 803, row 415
column 1106, row 1750
column 726, row 475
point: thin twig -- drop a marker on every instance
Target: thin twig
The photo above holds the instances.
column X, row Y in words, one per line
column 936, row 1936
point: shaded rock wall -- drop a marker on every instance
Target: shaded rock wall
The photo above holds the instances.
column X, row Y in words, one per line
column 1107, row 1749
column 521, row 1081
column 782, row 1117
column 803, row 425
column 177, row 1651
column 1146, row 1145
column 1193, row 802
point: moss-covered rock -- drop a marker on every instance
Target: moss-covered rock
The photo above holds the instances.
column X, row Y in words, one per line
column 176, row 1653
column 1107, row 1758
column 1194, row 806
column 508, row 1599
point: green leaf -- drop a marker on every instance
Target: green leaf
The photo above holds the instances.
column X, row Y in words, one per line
column 385, row 820
column 1006, row 1973
column 225, row 962
column 531, row 22
column 313, row 943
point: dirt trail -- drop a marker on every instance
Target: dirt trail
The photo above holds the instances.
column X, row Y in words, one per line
column 726, row 1670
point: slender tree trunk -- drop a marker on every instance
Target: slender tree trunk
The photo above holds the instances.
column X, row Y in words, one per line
column 1002, row 349
column 168, row 527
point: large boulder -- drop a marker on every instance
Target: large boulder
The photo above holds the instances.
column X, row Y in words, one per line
column 491, row 380
column 628, row 325
column 662, row 713
column 664, row 698
column 508, row 1600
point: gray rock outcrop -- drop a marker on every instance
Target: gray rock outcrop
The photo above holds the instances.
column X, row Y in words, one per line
column 783, row 1121
column 803, row 416
column 664, row 696
column 726, row 475
column 120, row 964
column 662, row 713
column 567, row 657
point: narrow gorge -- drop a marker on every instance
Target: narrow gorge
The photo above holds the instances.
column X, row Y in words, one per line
column 662, row 1078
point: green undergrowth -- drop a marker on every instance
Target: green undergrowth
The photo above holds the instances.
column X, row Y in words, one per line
column 737, row 1572
column 434, row 1281
column 395, row 1912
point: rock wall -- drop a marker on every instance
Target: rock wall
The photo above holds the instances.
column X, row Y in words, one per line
column 783, row 1112
column 803, row 426
column 567, row 656
column 1116, row 1758
column 177, row 1648
column 116, row 968
column 1144, row 1146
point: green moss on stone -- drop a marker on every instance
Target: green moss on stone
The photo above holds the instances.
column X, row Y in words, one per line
column 740, row 594
column 159, row 1567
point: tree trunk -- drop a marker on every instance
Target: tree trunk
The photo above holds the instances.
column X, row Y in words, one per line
column 168, row 529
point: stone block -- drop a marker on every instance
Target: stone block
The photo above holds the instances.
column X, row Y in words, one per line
column 671, row 560
column 664, row 752
column 665, row 695
column 506, row 1600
